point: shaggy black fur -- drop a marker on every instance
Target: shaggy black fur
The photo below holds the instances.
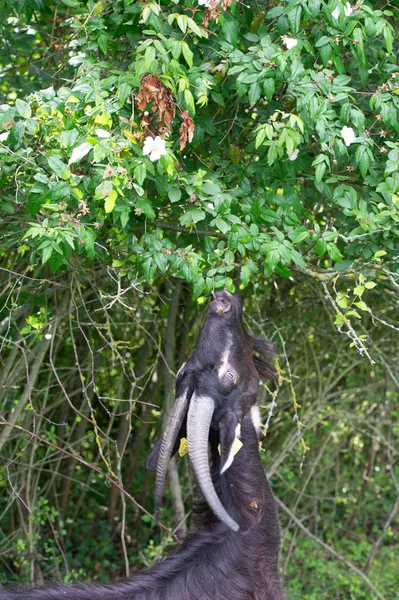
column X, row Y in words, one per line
column 214, row 563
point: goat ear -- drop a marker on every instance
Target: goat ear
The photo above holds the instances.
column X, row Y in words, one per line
column 152, row 460
column 229, row 430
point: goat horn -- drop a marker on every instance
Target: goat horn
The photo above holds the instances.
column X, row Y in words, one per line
column 168, row 439
column 198, row 424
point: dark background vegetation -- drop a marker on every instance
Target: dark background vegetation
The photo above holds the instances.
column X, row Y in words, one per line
column 106, row 264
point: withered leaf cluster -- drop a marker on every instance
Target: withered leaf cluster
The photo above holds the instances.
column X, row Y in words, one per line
column 186, row 130
column 156, row 103
column 213, row 11
column 157, row 106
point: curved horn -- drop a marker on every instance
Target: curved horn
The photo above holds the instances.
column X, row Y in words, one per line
column 168, row 439
column 198, row 423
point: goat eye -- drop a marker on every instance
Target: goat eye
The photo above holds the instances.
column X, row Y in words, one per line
column 231, row 376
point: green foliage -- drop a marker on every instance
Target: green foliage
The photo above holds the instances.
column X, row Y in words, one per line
column 149, row 142
column 75, row 150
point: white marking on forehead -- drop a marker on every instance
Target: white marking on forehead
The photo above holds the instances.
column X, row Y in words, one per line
column 225, row 357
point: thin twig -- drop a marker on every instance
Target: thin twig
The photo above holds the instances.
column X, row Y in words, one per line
column 3, row 421
column 333, row 552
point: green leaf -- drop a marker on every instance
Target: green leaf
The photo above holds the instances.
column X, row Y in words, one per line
column 334, row 252
column 299, row 236
column 189, row 100
column 55, row 261
column 16, row 135
column 369, row 285
column 23, row 108
column 124, row 216
column 192, row 216
column 7, row 207
column 188, row 55
column 230, row 29
column 363, row 160
column 269, row 87
column 211, row 189
column 359, row 290
column 149, row 58
column 342, row 302
column 388, row 38
column 102, row 41
column 294, row 18
column 345, row 113
column 46, row 253
column 79, row 152
column 174, row 195
column 161, row 262
column 323, row 41
column 222, row 225
column 194, row 27
column 275, row 12
column 140, row 173
column 320, row 170
column 325, row 53
column 144, row 205
column 272, row 155
column 88, row 237
column 245, row 275
column 124, row 91
column 110, row 200
column 182, row 22
column 260, row 137
column 149, row 269
column 35, row 201
column 314, row 8
column 362, row 305
column 321, row 247
column 58, row 167
column 254, row 93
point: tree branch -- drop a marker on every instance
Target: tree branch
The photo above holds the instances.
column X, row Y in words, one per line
column 96, row 469
column 171, row 227
column 333, row 552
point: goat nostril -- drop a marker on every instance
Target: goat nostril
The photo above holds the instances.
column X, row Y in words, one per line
column 220, row 305
column 231, row 375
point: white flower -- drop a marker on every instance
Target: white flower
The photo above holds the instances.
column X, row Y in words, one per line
column 294, row 155
column 348, row 135
column 48, row 336
column 348, row 11
column 77, row 59
column 155, row 147
column 205, row 3
column 102, row 133
column 289, row 42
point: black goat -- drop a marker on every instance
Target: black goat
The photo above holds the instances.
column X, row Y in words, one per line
column 216, row 394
